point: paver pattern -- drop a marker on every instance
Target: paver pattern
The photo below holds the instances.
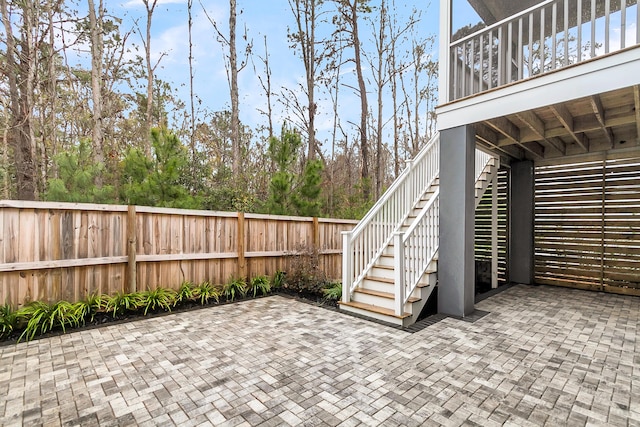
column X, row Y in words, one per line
column 543, row 356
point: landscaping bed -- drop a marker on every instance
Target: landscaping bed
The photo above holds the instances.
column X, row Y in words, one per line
column 40, row 319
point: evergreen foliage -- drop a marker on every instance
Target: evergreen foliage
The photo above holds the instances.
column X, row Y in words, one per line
column 290, row 193
column 158, row 181
column 77, row 173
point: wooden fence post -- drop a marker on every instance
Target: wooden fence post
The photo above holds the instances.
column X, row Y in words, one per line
column 316, row 232
column 131, row 248
column 242, row 267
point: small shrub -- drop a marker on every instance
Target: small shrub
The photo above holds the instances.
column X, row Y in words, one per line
column 121, row 302
column 8, row 321
column 278, row 279
column 259, row 284
column 205, row 292
column 185, row 293
column 159, row 298
column 305, row 275
column 332, row 292
column 236, row 287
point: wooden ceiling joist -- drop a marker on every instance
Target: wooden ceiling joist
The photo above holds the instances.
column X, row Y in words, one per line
column 586, row 126
column 566, row 119
column 512, row 133
column 537, row 126
column 490, row 139
column 598, row 110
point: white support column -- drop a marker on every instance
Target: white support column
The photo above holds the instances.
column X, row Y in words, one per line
column 444, row 59
column 347, row 263
column 494, row 231
column 398, row 241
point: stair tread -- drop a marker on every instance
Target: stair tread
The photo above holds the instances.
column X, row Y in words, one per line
column 380, row 294
column 375, row 309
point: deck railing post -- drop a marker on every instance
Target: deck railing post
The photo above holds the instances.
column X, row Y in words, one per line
column 399, row 274
column 347, row 263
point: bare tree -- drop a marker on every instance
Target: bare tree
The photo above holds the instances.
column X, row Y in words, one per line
column 233, row 69
column 307, row 14
column 150, row 6
column 20, row 71
column 97, row 46
column 266, row 87
column 348, row 12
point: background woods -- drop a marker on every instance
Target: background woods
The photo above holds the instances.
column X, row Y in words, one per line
column 88, row 113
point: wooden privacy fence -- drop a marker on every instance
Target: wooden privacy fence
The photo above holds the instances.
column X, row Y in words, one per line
column 587, row 225
column 53, row 251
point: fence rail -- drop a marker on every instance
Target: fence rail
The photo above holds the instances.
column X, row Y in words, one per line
column 52, row 251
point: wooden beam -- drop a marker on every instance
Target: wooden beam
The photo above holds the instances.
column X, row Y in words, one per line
column 598, row 110
column 506, row 128
column 512, row 135
column 636, row 99
column 537, row 126
column 581, row 124
column 564, row 116
column 490, row 138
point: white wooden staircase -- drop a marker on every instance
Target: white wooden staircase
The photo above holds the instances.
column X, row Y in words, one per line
column 390, row 259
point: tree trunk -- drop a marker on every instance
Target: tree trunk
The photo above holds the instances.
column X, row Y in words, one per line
column 192, row 127
column 20, row 81
column 150, row 71
column 380, row 83
column 95, row 24
column 235, row 112
column 364, row 108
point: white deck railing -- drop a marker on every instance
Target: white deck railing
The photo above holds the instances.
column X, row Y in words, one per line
column 364, row 244
column 543, row 38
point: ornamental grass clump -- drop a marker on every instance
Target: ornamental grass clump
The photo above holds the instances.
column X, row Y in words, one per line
column 41, row 317
column 157, row 299
column 259, row 285
column 206, row 292
column 235, row 288
column 8, row 321
column 122, row 302
column 332, row 292
column 186, row 293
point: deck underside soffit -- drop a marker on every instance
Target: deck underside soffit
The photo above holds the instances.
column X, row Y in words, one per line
column 595, row 124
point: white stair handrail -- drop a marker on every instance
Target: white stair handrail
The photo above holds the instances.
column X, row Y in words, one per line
column 364, row 244
column 417, row 247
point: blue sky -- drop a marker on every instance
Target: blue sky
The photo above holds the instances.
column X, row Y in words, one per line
column 270, row 18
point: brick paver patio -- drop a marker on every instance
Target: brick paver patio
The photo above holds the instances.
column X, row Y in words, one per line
column 542, row 356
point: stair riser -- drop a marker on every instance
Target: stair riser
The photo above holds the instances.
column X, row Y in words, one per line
column 379, row 301
column 378, row 286
column 372, row 315
column 382, row 272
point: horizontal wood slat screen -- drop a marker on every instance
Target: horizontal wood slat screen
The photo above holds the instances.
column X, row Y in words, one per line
column 587, row 225
column 53, row 251
column 483, row 227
